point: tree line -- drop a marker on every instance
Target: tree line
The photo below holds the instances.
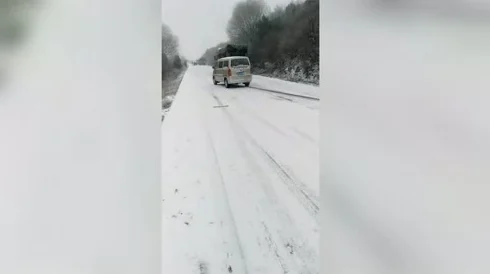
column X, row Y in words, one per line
column 282, row 43
column 171, row 59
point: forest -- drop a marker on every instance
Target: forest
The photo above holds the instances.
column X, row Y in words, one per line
column 282, row 43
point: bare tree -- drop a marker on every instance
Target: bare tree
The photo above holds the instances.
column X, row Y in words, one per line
column 170, row 43
column 242, row 25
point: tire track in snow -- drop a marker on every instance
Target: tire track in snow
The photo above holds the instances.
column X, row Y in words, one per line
column 302, row 256
column 301, row 136
column 228, row 205
column 298, row 188
column 287, row 93
column 294, row 99
column 305, row 196
column 305, row 136
column 266, row 123
column 273, row 247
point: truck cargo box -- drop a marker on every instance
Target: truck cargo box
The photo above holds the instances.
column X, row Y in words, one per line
column 231, row 50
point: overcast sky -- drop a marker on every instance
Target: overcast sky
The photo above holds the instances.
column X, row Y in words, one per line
column 201, row 24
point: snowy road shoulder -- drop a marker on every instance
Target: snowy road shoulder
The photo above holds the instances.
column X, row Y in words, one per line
column 287, row 87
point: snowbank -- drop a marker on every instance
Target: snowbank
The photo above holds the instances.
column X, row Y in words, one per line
column 170, row 86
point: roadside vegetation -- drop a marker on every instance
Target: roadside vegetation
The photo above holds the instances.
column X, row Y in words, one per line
column 282, row 42
column 173, row 68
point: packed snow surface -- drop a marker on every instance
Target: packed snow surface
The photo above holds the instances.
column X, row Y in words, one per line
column 240, row 180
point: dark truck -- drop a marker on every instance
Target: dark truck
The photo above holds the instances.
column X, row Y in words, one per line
column 231, row 50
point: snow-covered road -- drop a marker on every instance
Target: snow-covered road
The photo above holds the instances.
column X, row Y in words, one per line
column 240, row 179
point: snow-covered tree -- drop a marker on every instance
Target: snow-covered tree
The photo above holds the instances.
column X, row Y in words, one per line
column 242, row 26
column 170, row 42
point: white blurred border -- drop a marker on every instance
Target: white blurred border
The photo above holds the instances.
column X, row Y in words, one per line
column 80, row 143
column 405, row 150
